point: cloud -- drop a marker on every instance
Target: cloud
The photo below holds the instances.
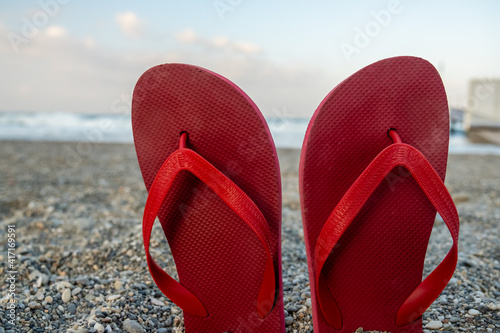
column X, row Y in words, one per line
column 24, row 89
column 220, row 41
column 246, row 47
column 186, row 36
column 130, row 24
column 59, row 72
column 189, row 36
column 56, row 31
column 50, row 73
column 89, row 43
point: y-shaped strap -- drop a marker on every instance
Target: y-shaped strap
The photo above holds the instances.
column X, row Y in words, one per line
column 397, row 154
column 234, row 197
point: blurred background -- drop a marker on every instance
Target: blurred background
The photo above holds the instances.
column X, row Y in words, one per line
column 69, row 66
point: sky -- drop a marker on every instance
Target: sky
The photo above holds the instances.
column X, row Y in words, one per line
column 86, row 56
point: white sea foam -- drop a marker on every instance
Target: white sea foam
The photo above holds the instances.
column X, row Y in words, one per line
column 61, row 126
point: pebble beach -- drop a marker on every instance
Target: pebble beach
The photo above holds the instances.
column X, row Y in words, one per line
column 76, row 211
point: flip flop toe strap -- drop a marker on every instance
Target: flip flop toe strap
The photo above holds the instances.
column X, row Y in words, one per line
column 234, row 197
column 397, row 154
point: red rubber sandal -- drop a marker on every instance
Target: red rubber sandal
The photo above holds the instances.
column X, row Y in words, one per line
column 371, row 180
column 211, row 169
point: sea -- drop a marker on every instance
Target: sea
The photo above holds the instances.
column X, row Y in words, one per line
column 117, row 128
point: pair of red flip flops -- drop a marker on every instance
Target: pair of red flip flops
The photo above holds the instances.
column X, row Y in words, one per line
column 371, row 180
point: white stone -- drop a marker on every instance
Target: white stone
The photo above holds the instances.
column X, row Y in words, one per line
column 113, row 297
column 62, row 285
column 492, row 306
column 118, row 285
column 434, row 325
column 157, row 302
column 473, row 312
column 99, row 328
column 66, row 295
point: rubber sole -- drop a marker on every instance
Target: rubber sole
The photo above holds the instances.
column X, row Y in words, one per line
column 218, row 258
column 379, row 260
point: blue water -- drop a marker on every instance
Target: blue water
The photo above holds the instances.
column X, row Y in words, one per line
column 117, row 128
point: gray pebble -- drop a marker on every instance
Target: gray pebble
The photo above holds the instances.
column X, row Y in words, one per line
column 34, row 305
column 483, row 308
column 82, row 281
column 131, row 326
column 72, row 308
column 76, row 291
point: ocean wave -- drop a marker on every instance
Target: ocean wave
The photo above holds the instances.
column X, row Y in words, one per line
column 117, row 128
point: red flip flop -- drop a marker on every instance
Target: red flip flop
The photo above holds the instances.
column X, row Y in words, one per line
column 211, row 169
column 371, row 180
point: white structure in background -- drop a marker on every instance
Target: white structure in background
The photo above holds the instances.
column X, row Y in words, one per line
column 483, row 105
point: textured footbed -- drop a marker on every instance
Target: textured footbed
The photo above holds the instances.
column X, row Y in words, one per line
column 379, row 260
column 218, row 258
